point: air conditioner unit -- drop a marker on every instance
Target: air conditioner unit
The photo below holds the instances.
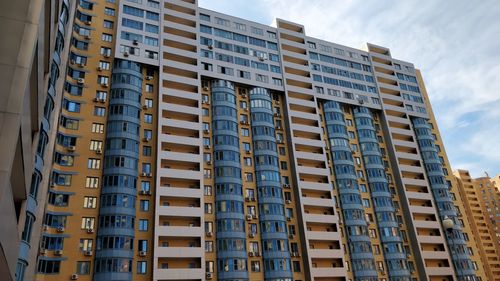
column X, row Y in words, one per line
column 205, row 88
column 58, row 252
column 126, row 54
column 149, row 175
column 81, row 64
column 253, row 199
column 209, row 234
column 60, row 229
column 279, row 141
column 90, row 230
column 107, row 55
column 206, row 131
column 71, row 148
column 88, row 22
column 210, row 46
column 99, row 68
column 251, row 235
column 249, row 217
column 286, row 185
column 148, row 77
column 289, row 219
column 143, row 174
column 361, row 101
column 146, row 139
column 209, row 162
column 292, row 236
column 80, row 80
column 145, row 107
column 247, row 199
column 277, row 115
column 247, row 151
column 288, row 201
column 74, row 276
column 96, row 99
column 142, row 253
column 207, row 146
column 87, row 253
column 135, row 42
column 87, row 36
column 43, row 252
column 209, row 275
column 145, row 192
column 52, row 185
column 257, row 254
column 98, row 151
column 293, row 254
column 251, row 254
column 101, row 100
column 104, row 84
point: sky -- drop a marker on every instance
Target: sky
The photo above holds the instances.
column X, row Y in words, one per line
column 455, row 43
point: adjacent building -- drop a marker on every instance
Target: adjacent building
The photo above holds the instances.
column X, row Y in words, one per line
column 32, row 65
column 481, row 197
column 186, row 144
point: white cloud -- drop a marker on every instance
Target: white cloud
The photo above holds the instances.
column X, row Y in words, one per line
column 456, row 44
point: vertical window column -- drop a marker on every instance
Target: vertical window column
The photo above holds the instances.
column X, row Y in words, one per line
column 118, row 194
column 362, row 260
column 277, row 263
column 446, row 208
column 390, row 234
column 231, row 239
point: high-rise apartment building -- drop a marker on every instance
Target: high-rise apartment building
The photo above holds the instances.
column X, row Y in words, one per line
column 193, row 145
column 32, row 57
column 481, row 198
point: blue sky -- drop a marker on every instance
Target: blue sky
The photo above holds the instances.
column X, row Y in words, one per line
column 456, row 44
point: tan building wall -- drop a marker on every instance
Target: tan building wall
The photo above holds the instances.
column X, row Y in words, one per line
column 479, row 221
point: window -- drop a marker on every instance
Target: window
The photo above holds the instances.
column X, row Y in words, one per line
column 148, row 103
column 284, row 165
column 92, row 182
column 208, row 208
column 83, row 267
column 89, row 202
column 208, row 190
column 102, row 80
column 97, row 128
column 95, row 145
column 146, row 150
column 152, row 16
column 149, row 88
column 99, row 111
column 87, row 223
column 71, row 106
column 146, row 168
column 204, row 17
column 107, row 37
column 105, row 51
column 48, row 266
column 145, row 186
column 143, row 225
column 247, row 161
column 245, row 132
column 209, row 246
column 108, row 24
column 144, row 204
column 86, row 244
column 141, row 267
column 94, row 164
column 109, row 11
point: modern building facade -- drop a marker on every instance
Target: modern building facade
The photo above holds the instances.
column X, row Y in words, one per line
column 193, row 145
column 480, row 197
column 32, row 60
